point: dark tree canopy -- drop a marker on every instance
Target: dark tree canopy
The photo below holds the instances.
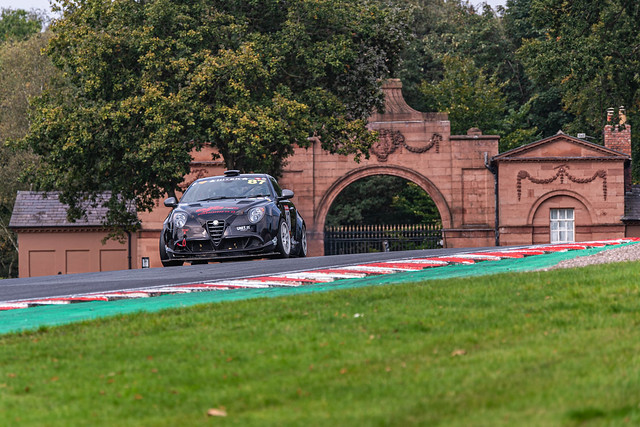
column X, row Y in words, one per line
column 149, row 81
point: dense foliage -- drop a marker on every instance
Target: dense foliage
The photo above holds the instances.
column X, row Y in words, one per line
column 150, row 81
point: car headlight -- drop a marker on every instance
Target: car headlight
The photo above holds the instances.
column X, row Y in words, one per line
column 255, row 214
column 179, row 219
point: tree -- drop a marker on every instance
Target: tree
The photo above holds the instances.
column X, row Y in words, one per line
column 152, row 80
column 469, row 98
column 462, row 60
column 18, row 24
column 472, row 100
column 588, row 52
column 544, row 102
column 455, row 28
column 415, row 206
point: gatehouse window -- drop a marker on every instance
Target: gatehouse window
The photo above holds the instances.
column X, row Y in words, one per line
column 562, row 226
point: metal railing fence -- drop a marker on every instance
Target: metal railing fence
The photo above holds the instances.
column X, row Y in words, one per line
column 354, row 239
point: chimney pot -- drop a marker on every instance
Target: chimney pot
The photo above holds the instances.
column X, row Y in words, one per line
column 622, row 115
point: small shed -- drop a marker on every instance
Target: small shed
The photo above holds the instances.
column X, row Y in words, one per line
column 564, row 189
column 50, row 244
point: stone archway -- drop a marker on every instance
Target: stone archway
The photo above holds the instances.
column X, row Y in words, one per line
column 418, row 147
column 408, row 174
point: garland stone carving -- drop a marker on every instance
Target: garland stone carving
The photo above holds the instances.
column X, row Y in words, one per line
column 562, row 173
column 390, row 140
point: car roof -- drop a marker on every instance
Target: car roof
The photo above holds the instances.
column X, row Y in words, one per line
column 241, row 175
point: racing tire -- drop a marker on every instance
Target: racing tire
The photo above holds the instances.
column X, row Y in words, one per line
column 164, row 258
column 283, row 245
column 302, row 244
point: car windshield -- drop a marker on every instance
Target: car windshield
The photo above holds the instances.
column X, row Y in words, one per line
column 226, row 188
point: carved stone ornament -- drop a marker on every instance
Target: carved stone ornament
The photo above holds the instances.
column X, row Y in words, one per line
column 389, row 141
column 562, row 173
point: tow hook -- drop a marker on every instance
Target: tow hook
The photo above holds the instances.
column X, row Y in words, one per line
column 182, row 244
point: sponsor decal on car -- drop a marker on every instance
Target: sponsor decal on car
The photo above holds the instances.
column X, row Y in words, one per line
column 216, row 209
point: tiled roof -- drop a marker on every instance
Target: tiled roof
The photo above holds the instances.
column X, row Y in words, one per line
column 632, row 204
column 35, row 209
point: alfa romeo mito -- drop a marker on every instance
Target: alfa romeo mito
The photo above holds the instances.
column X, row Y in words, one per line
column 232, row 215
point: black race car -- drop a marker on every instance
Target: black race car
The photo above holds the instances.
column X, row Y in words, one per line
column 230, row 216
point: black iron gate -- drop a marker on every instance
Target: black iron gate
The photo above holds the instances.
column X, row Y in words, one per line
column 356, row 239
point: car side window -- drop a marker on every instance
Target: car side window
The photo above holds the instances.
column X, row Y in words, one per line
column 276, row 187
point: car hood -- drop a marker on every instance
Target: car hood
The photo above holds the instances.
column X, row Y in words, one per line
column 224, row 208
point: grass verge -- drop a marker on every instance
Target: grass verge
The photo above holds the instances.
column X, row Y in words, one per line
column 552, row 348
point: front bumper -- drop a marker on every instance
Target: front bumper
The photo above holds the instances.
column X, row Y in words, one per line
column 216, row 237
column 205, row 249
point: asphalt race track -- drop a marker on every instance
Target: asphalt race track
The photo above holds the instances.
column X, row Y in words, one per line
column 74, row 284
column 27, row 304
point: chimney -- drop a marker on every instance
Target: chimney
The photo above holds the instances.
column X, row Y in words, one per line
column 618, row 136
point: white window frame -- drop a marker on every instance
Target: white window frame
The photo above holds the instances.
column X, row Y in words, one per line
column 562, row 225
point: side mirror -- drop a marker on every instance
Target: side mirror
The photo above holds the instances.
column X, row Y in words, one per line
column 286, row 194
column 171, row 202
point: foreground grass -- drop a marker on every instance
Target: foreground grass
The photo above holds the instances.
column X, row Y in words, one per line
column 554, row 348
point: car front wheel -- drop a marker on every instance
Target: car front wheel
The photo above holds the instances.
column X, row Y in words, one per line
column 284, row 240
column 164, row 258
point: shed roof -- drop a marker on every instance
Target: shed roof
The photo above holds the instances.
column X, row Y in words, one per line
column 34, row 209
column 632, row 204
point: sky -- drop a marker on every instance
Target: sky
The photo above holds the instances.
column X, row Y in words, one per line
column 25, row 4
column 492, row 3
column 44, row 4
